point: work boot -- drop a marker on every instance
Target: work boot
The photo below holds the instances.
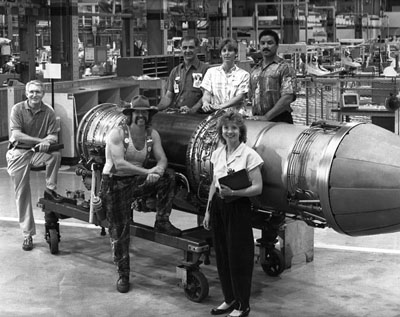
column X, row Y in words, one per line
column 28, row 244
column 166, row 227
column 123, row 284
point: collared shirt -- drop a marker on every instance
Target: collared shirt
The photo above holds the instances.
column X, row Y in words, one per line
column 37, row 124
column 185, row 83
column 224, row 86
column 243, row 157
column 268, row 84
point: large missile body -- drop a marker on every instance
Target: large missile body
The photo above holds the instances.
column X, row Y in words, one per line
column 346, row 176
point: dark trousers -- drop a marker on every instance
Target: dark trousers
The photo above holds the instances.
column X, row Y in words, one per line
column 283, row 117
column 234, row 248
column 117, row 195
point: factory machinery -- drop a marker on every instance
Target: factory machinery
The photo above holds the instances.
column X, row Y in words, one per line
column 345, row 176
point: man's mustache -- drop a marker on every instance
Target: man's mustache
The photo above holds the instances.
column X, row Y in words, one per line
column 140, row 117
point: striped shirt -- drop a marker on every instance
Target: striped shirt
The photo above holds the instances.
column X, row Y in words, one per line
column 224, row 86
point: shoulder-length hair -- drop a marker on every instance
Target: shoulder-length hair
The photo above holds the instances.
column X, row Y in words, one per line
column 128, row 120
column 236, row 118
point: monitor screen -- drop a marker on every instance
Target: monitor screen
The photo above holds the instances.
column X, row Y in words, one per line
column 350, row 100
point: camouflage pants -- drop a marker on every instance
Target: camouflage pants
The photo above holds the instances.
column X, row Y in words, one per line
column 117, row 195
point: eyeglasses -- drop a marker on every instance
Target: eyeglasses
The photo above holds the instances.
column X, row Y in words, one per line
column 188, row 47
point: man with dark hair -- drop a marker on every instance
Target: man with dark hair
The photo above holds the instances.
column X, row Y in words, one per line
column 272, row 82
column 183, row 87
column 126, row 178
column 33, row 124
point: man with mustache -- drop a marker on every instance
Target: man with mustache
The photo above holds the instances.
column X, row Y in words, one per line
column 127, row 178
column 183, row 87
column 272, row 82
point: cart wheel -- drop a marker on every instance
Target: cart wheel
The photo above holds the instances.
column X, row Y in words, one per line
column 197, row 286
column 273, row 264
column 53, row 241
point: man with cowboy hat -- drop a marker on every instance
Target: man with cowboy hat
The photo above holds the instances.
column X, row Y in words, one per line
column 126, row 178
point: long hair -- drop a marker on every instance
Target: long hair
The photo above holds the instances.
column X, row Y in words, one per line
column 235, row 118
column 128, row 120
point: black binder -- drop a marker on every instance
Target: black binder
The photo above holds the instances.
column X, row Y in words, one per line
column 236, row 180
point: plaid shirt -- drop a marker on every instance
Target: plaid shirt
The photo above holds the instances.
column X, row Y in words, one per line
column 224, row 86
column 268, row 84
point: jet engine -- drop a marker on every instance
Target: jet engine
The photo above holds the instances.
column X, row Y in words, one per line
column 342, row 175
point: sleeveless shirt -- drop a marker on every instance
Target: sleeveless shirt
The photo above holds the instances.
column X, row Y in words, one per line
column 132, row 155
column 135, row 156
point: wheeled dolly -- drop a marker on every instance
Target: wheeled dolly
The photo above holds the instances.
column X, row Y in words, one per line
column 52, row 230
column 52, row 236
column 194, row 242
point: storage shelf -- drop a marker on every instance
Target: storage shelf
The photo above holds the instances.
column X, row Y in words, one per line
column 153, row 66
column 71, row 105
column 373, row 93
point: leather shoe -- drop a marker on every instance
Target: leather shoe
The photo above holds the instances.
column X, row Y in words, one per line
column 52, row 195
column 123, row 284
column 243, row 313
column 217, row 311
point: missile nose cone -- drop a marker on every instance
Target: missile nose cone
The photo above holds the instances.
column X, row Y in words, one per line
column 364, row 182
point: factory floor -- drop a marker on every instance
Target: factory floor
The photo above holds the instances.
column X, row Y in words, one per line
column 348, row 276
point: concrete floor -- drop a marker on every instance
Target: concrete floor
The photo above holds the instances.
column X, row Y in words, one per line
column 348, row 277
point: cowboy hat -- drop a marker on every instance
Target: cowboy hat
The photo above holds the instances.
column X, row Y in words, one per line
column 140, row 102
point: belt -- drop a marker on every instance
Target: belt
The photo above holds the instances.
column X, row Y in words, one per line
column 117, row 177
column 22, row 147
column 52, row 147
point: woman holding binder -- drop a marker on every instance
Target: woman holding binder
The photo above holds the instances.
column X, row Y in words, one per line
column 229, row 213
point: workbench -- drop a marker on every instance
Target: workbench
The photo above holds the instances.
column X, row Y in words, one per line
column 379, row 116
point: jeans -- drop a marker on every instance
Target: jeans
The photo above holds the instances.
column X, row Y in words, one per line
column 117, row 195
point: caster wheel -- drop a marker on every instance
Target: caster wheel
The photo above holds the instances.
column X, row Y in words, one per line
column 53, row 241
column 273, row 264
column 197, row 287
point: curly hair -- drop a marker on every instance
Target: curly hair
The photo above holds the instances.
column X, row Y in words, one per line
column 236, row 118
